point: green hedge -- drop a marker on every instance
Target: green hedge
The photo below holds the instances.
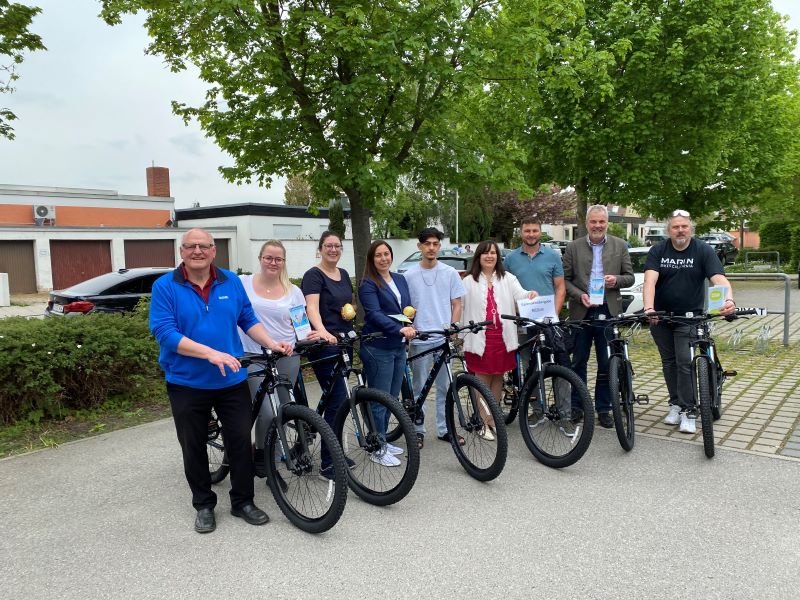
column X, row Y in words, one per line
column 777, row 236
column 50, row 367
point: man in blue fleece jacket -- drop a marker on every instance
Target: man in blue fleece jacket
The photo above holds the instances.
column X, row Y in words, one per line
column 194, row 313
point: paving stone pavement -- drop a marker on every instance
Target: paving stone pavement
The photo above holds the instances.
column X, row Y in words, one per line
column 760, row 405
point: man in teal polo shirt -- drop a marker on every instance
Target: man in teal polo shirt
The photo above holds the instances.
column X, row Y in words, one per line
column 537, row 267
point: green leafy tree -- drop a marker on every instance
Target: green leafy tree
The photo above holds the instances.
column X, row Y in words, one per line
column 668, row 104
column 336, row 219
column 297, row 191
column 404, row 213
column 15, row 39
column 355, row 93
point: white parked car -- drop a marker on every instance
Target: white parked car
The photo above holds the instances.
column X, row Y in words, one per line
column 632, row 296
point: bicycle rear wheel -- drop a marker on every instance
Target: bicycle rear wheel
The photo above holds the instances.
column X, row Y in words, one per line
column 310, row 501
column 375, row 478
column 218, row 466
column 619, row 378
column 549, row 436
column 704, row 399
column 484, row 452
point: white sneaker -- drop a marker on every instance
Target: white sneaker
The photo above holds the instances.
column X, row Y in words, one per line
column 486, row 433
column 384, row 459
column 393, row 450
column 674, row 415
column 687, row 423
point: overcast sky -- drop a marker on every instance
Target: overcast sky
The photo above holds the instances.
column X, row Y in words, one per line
column 94, row 112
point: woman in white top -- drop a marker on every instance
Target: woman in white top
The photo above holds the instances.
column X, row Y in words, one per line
column 490, row 292
column 272, row 295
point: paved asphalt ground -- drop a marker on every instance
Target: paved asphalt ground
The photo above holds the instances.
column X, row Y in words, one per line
column 110, row 517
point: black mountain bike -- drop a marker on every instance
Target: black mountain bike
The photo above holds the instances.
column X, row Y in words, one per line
column 292, row 453
column 620, row 375
column 468, row 406
column 360, row 438
column 545, row 398
column 708, row 375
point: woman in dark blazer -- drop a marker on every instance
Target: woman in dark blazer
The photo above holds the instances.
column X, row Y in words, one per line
column 383, row 295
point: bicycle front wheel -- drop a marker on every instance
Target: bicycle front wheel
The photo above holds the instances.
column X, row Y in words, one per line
column 619, row 378
column 485, row 448
column 311, row 501
column 544, row 421
column 218, row 466
column 704, row 399
column 383, row 473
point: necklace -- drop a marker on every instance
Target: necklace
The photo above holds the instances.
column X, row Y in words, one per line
column 435, row 276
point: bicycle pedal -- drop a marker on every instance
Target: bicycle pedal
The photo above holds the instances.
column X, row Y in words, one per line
column 730, row 373
column 642, row 399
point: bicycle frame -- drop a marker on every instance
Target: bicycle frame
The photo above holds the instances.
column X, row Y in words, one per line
column 267, row 389
column 447, row 352
column 343, row 369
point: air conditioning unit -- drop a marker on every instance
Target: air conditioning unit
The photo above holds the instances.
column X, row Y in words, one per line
column 43, row 211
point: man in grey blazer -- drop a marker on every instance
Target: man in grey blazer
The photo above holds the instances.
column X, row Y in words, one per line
column 599, row 263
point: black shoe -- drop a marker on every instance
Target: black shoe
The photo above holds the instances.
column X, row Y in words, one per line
column 251, row 513
column 605, row 420
column 577, row 415
column 205, row 521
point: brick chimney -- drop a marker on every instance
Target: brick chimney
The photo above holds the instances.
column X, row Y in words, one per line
column 158, row 181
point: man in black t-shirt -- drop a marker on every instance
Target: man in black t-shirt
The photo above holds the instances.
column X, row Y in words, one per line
column 674, row 273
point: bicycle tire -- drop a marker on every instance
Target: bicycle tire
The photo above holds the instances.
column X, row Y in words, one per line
column 372, row 482
column 541, row 429
column 310, row 502
column 621, row 402
column 509, row 405
column 704, row 400
column 482, row 458
column 394, row 431
column 218, row 466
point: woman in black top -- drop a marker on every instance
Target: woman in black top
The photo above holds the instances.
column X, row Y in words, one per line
column 327, row 288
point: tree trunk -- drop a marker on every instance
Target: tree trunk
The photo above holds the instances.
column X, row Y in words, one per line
column 581, row 204
column 359, row 221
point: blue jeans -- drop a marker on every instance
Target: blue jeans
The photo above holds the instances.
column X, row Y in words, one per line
column 420, row 369
column 383, row 369
column 580, row 357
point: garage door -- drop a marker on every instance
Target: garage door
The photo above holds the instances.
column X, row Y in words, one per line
column 149, row 253
column 17, row 259
column 222, row 260
column 76, row 261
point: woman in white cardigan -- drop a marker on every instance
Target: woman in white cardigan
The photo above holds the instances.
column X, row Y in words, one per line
column 490, row 292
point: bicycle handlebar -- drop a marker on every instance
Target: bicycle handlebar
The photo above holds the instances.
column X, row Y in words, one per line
column 454, row 328
column 345, row 340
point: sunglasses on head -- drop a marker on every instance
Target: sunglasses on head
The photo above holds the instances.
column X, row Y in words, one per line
column 680, row 213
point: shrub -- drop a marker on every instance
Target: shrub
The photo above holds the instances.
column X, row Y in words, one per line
column 777, row 236
column 794, row 250
column 53, row 366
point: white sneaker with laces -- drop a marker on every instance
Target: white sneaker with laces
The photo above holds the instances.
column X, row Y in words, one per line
column 674, row 415
column 393, row 450
column 486, row 433
column 384, row 459
column 688, row 424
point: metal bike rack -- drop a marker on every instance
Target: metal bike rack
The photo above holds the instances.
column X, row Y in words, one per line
column 770, row 277
column 774, row 253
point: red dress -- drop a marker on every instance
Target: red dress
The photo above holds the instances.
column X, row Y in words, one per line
column 496, row 360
